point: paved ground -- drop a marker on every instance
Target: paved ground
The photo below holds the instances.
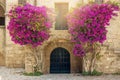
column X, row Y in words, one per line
column 15, row 74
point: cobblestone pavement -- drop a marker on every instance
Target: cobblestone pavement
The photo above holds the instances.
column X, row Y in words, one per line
column 16, row 74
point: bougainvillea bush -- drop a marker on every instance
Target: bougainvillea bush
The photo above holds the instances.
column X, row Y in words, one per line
column 29, row 24
column 87, row 25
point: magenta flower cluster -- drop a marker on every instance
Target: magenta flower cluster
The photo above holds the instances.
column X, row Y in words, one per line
column 29, row 24
column 78, row 50
column 87, row 24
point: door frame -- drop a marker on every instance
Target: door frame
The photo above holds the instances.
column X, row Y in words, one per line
column 75, row 61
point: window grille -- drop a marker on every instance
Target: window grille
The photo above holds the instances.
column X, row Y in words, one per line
column 2, row 20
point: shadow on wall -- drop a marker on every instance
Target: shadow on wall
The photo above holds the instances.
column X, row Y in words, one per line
column 2, row 60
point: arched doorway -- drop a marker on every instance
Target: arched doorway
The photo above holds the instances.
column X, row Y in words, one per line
column 60, row 61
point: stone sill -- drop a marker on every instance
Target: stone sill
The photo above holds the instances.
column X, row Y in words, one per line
column 59, row 32
column 2, row 26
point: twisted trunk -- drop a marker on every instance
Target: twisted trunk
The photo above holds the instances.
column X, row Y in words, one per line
column 85, row 64
column 36, row 55
column 95, row 52
column 92, row 63
column 89, row 63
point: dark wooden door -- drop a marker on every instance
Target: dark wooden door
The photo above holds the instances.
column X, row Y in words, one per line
column 60, row 61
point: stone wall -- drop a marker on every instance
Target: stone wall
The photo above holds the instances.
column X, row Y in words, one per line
column 2, row 34
column 110, row 52
column 2, row 45
column 2, row 60
column 109, row 62
column 15, row 56
column 14, row 53
column 2, row 39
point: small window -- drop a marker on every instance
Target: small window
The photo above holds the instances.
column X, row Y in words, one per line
column 99, row 1
column 2, row 16
column 21, row 2
column 2, row 20
column 61, row 11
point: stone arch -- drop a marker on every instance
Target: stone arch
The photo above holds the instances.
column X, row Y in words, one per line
column 75, row 65
column 63, row 48
column 2, row 5
column 2, row 11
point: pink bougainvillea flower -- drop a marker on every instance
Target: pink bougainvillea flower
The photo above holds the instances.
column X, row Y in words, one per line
column 29, row 24
column 87, row 24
